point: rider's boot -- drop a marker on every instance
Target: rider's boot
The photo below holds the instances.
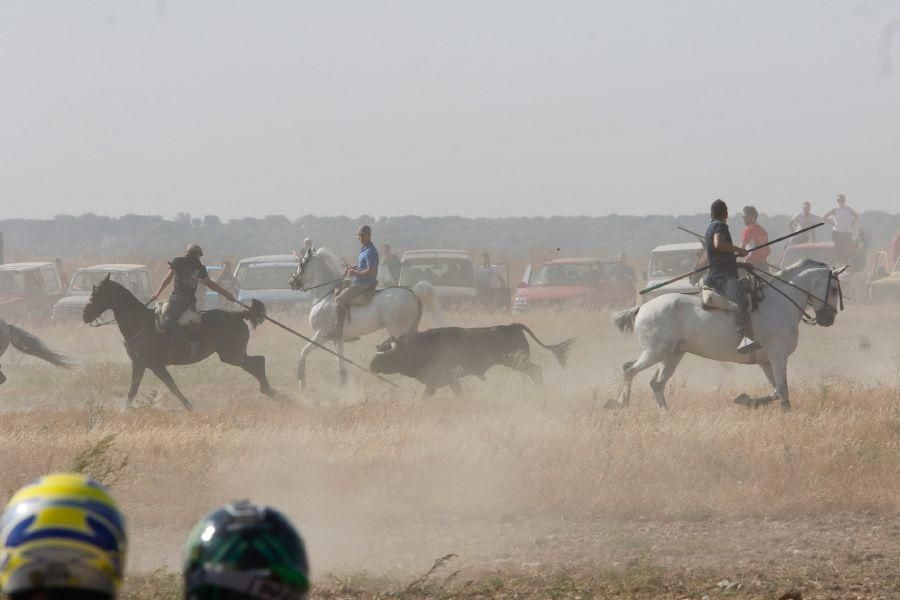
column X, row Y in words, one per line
column 746, row 344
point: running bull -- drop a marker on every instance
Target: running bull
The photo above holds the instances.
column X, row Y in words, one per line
column 439, row 357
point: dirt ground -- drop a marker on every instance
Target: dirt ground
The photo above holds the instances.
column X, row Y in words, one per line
column 523, row 493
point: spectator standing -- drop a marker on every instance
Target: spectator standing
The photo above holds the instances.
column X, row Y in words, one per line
column 842, row 218
column 63, row 278
column 754, row 235
column 803, row 219
column 391, row 262
column 895, row 249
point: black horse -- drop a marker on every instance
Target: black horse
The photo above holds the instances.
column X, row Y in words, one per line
column 221, row 332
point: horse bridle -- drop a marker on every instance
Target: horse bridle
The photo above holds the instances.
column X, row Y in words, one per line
column 826, row 303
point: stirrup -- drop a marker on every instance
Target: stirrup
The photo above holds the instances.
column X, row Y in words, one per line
column 747, row 345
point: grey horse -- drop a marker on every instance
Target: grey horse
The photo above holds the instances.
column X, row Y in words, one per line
column 672, row 325
column 29, row 344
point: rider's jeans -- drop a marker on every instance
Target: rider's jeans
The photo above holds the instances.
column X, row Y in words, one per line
column 177, row 306
column 733, row 292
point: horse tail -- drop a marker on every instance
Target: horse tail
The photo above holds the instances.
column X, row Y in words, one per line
column 560, row 350
column 27, row 343
column 624, row 320
column 428, row 296
column 256, row 314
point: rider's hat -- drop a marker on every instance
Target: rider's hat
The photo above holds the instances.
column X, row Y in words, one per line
column 195, row 250
column 364, row 230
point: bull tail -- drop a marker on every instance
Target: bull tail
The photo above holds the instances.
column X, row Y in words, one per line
column 624, row 319
column 428, row 296
column 256, row 314
column 560, row 350
column 31, row 345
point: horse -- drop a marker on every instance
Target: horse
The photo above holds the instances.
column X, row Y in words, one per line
column 29, row 344
column 221, row 332
column 669, row 326
column 396, row 309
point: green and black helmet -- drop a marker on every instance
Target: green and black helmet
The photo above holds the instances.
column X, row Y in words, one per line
column 245, row 551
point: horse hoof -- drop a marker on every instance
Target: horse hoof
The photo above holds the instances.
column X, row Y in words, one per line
column 744, row 400
column 785, row 407
column 612, row 404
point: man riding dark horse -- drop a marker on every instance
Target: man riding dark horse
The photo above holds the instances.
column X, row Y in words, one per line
column 186, row 272
column 722, row 276
column 362, row 279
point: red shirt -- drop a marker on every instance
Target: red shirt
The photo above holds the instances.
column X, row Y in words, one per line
column 752, row 236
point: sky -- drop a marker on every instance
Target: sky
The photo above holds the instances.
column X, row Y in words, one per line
column 479, row 108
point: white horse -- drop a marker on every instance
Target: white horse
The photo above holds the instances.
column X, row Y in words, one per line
column 26, row 343
column 671, row 325
column 396, row 309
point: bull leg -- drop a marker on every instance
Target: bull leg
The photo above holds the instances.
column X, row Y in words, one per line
column 665, row 372
column 629, row 370
column 429, row 390
column 163, row 374
column 256, row 366
column 137, row 375
column 2, row 378
column 456, row 387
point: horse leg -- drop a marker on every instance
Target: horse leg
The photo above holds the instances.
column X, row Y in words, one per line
column 779, row 374
column 342, row 369
column 256, row 366
column 301, row 362
column 665, row 372
column 163, row 374
column 2, row 378
column 137, row 375
column 629, row 370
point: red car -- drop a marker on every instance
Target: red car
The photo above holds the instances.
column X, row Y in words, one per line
column 583, row 282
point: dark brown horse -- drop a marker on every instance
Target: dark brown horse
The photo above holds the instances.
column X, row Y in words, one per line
column 221, row 332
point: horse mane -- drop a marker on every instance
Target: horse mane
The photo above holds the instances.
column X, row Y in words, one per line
column 800, row 266
column 331, row 258
column 122, row 291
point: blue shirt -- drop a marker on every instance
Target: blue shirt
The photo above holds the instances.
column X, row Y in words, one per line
column 722, row 265
column 368, row 257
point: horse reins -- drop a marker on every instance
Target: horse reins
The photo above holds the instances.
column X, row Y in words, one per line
column 806, row 317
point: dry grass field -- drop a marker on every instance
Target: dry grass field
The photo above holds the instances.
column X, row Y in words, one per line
column 510, row 491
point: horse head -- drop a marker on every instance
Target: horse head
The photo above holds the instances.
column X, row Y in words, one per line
column 297, row 279
column 101, row 300
column 826, row 295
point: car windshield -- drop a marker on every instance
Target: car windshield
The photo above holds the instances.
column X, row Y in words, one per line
column 669, row 264
column 269, row 277
column 452, row 272
column 568, row 274
column 12, row 281
column 83, row 281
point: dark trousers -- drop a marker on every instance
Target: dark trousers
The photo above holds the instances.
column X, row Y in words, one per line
column 176, row 307
column 843, row 247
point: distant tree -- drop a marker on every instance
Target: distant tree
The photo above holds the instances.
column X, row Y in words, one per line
column 211, row 221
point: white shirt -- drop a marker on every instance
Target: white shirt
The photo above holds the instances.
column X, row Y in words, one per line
column 803, row 221
column 843, row 219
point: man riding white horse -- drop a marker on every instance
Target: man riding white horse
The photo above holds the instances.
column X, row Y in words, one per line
column 187, row 272
column 722, row 276
column 362, row 279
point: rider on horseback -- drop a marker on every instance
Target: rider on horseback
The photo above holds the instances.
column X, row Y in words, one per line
column 363, row 279
column 722, row 276
column 187, row 272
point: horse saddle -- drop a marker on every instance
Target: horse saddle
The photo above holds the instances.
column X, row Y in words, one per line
column 189, row 319
column 713, row 299
column 363, row 298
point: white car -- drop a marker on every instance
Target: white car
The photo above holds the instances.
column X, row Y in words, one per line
column 669, row 261
column 451, row 272
column 267, row 279
column 135, row 278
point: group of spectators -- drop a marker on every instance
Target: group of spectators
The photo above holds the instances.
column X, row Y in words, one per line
column 64, row 537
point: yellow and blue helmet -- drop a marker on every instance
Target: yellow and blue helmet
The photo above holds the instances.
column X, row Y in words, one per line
column 62, row 532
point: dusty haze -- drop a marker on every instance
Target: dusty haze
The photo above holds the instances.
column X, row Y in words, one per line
column 470, row 108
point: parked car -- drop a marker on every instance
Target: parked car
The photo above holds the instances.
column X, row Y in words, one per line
column 136, row 278
column 451, row 272
column 28, row 291
column 884, row 285
column 671, row 260
column 583, row 282
column 266, row 278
